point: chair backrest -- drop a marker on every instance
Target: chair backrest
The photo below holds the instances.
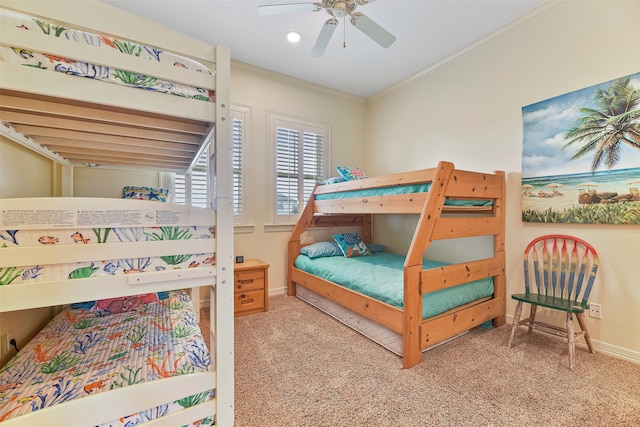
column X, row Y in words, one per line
column 561, row 266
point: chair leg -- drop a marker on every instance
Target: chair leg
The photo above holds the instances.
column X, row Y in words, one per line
column 532, row 316
column 516, row 321
column 583, row 326
column 572, row 341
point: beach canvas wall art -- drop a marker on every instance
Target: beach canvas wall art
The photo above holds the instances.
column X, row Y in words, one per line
column 581, row 156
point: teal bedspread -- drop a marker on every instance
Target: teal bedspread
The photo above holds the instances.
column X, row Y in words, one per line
column 380, row 276
column 399, row 189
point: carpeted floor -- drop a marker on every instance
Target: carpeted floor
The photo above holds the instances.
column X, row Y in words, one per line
column 295, row 366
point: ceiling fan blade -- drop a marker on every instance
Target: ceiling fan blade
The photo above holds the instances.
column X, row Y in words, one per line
column 323, row 38
column 277, row 9
column 381, row 36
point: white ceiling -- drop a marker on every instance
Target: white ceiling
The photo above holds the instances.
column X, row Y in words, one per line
column 427, row 31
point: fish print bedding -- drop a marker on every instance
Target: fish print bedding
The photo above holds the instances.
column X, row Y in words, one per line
column 45, row 61
column 105, row 346
column 79, row 270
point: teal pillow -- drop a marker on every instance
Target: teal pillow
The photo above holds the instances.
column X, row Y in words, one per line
column 350, row 172
column 351, row 244
column 333, row 180
column 321, row 249
column 145, row 193
column 374, row 247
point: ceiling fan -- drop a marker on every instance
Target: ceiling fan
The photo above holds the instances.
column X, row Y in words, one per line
column 337, row 9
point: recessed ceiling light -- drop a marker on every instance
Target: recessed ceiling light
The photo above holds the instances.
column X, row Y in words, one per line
column 294, row 36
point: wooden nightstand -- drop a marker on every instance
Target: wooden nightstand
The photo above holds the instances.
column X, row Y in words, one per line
column 251, row 287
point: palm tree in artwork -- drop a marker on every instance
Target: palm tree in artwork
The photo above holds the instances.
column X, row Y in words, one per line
column 604, row 130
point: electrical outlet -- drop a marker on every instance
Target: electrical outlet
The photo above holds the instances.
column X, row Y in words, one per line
column 595, row 310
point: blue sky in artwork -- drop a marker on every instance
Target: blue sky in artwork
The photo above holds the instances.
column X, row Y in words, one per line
column 544, row 126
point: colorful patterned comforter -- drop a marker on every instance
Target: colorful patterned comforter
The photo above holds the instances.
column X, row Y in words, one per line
column 45, row 61
column 82, row 352
column 105, row 267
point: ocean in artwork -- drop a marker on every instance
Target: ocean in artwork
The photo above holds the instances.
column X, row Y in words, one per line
column 560, row 192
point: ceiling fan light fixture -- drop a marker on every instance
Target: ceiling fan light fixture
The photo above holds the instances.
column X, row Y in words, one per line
column 294, row 37
column 340, row 9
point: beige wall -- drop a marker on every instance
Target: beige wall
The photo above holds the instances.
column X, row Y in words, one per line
column 263, row 93
column 468, row 111
column 96, row 182
column 23, row 174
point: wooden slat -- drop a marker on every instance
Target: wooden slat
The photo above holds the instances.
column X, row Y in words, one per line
column 125, row 160
column 71, row 145
column 477, row 185
column 32, row 81
column 443, row 327
column 13, row 102
column 89, row 126
column 336, row 221
column 399, row 203
column 60, row 47
column 393, row 180
column 72, row 135
column 450, row 228
column 447, row 276
column 100, row 154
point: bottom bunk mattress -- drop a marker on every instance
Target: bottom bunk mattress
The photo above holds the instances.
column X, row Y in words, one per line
column 380, row 275
column 98, row 346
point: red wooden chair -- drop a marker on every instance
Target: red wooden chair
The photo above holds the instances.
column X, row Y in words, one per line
column 559, row 272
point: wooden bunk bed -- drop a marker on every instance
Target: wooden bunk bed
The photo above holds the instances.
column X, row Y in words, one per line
column 81, row 122
column 457, row 204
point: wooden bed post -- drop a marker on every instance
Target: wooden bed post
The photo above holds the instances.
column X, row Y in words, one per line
column 499, row 281
column 422, row 237
column 411, row 351
column 293, row 247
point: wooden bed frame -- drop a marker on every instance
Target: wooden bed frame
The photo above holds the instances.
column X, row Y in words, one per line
column 90, row 121
column 437, row 221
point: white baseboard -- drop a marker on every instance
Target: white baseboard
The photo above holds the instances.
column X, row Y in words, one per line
column 602, row 347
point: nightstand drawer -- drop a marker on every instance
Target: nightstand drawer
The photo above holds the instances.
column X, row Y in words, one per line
column 249, row 280
column 245, row 301
column 250, row 287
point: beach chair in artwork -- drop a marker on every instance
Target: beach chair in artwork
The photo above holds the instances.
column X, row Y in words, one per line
column 559, row 273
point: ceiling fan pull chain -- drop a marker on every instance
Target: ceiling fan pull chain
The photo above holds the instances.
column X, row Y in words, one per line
column 344, row 32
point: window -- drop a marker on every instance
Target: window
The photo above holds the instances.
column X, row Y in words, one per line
column 195, row 184
column 239, row 177
column 299, row 165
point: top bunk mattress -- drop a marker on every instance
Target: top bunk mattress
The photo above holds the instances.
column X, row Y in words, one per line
column 47, row 61
column 381, row 276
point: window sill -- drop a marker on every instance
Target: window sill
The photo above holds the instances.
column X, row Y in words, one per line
column 278, row 228
column 243, row 228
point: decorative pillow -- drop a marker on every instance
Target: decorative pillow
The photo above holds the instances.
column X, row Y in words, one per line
column 321, row 249
column 374, row 247
column 145, row 193
column 120, row 304
column 350, row 172
column 351, row 244
column 333, row 180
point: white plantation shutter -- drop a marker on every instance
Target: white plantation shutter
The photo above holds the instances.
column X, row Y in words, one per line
column 300, row 153
column 238, row 176
column 196, row 183
column 199, row 182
